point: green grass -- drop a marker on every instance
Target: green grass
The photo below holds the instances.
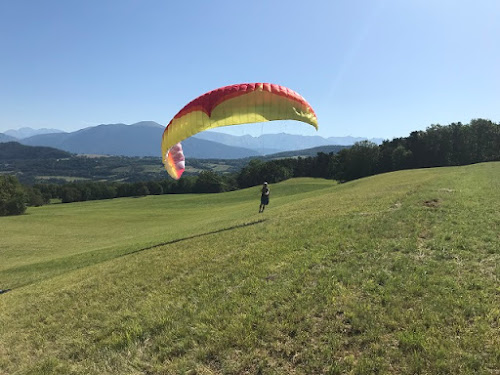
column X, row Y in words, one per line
column 52, row 239
column 397, row 273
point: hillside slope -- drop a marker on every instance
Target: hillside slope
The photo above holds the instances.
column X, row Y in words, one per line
column 17, row 151
column 396, row 273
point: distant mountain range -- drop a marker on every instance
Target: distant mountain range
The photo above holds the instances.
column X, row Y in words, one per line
column 29, row 132
column 272, row 143
column 6, row 138
column 306, row 152
column 144, row 139
column 141, row 139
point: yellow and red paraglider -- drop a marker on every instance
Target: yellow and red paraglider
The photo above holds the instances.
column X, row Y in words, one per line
column 231, row 105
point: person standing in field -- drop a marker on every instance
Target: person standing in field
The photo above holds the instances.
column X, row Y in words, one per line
column 264, row 198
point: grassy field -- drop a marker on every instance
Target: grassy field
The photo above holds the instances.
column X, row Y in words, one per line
column 397, row 273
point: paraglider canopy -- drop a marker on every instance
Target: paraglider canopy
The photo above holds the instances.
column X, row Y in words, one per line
column 231, row 105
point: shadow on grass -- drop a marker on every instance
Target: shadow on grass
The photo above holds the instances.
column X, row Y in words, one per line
column 31, row 273
column 194, row 236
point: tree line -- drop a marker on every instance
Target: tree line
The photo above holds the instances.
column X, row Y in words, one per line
column 437, row 146
column 205, row 182
column 451, row 145
column 15, row 197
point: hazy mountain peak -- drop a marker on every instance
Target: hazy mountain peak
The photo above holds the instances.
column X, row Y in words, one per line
column 149, row 124
column 6, row 138
column 279, row 142
column 140, row 139
column 26, row 132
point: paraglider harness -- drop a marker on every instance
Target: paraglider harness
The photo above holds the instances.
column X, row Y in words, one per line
column 264, row 198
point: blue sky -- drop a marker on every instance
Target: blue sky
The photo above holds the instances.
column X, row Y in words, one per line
column 374, row 68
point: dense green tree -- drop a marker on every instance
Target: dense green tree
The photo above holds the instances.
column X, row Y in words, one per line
column 257, row 171
column 230, row 182
column 486, row 140
column 70, row 194
column 184, row 185
column 167, row 185
column 124, row 190
column 140, row 189
column 155, row 188
column 12, row 196
column 49, row 191
column 275, row 171
column 35, row 198
column 251, row 175
column 400, row 158
column 358, row 161
column 208, row 182
column 108, row 191
column 324, row 166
